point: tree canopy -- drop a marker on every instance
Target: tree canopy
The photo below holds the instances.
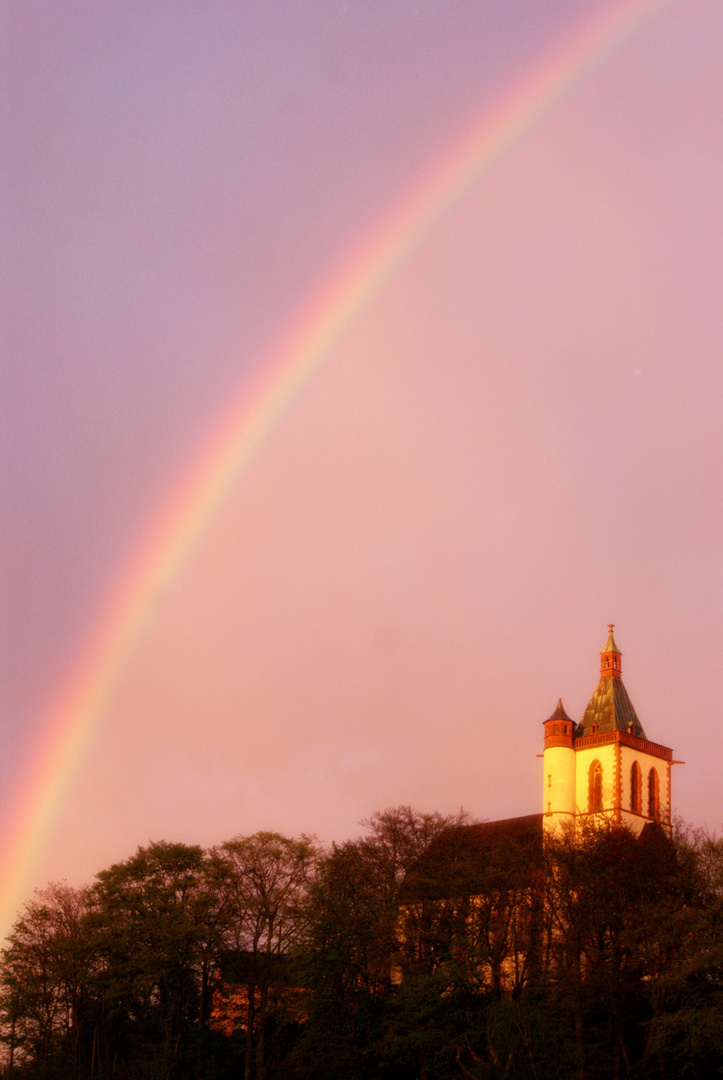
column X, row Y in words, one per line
column 428, row 947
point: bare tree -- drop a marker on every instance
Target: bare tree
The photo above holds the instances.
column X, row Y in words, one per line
column 45, row 971
column 263, row 882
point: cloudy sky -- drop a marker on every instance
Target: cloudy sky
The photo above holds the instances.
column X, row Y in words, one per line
column 517, row 441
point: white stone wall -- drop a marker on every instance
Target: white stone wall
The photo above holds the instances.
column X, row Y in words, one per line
column 605, row 754
column 646, row 762
column 558, row 792
column 566, row 784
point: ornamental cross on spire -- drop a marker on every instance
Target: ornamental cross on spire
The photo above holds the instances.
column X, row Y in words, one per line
column 611, row 627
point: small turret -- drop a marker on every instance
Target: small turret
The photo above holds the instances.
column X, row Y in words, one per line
column 559, row 784
column 559, row 728
column 610, row 657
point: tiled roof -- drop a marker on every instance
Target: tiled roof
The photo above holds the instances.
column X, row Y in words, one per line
column 610, row 709
column 559, row 713
column 464, row 859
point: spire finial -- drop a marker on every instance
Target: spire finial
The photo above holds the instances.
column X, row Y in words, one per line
column 610, row 656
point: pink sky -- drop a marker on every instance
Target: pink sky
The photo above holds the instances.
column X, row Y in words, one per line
column 517, row 443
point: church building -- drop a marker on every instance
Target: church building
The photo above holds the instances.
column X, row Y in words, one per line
column 480, row 889
column 605, row 765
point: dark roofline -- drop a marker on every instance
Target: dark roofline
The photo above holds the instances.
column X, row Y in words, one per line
column 461, row 857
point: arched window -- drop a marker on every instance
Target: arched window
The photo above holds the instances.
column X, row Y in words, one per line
column 556, row 729
column 636, row 789
column 595, row 799
column 653, row 795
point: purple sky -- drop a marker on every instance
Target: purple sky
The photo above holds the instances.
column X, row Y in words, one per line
column 518, row 442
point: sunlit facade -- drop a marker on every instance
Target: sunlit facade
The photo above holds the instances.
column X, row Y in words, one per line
column 605, row 767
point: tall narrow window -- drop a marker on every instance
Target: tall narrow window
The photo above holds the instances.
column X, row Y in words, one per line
column 653, row 795
column 636, row 789
column 595, row 799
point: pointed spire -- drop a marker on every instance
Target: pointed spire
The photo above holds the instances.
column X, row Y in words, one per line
column 610, row 662
column 610, row 708
column 611, row 646
column 559, row 728
column 559, row 713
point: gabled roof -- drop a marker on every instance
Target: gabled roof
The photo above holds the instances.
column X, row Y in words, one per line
column 610, row 709
column 465, row 859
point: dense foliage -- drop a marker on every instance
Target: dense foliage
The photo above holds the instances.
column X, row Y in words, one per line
column 419, row 950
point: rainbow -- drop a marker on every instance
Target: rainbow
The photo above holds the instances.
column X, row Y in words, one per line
column 74, row 718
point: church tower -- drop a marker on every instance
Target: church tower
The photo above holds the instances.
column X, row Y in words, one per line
column 605, row 766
